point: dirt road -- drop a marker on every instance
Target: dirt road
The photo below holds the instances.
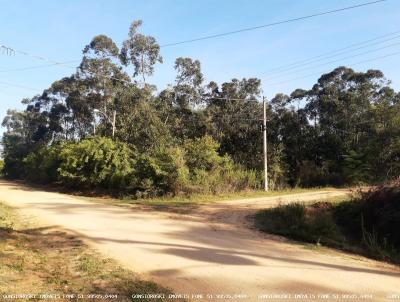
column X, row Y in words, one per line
column 210, row 250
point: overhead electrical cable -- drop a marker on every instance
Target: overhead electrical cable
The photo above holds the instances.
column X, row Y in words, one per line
column 271, row 24
column 36, row 67
column 65, row 64
column 330, row 54
column 19, row 86
column 322, row 72
column 42, row 58
column 333, row 61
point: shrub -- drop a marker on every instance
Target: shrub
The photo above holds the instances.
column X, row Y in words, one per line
column 373, row 219
column 369, row 224
column 227, row 177
column 381, row 212
column 356, row 168
column 212, row 173
column 311, row 224
column 42, row 165
column 202, row 153
column 15, row 149
column 163, row 172
column 1, row 166
column 288, row 220
column 97, row 162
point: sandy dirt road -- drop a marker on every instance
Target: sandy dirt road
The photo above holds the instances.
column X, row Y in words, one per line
column 210, row 250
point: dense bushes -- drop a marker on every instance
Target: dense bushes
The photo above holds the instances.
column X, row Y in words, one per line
column 194, row 167
column 42, row 165
column 163, row 172
column 311, row 224
column 96, row 162
column 99, row 162
column 374, row 220
column 14, row 152
column 368, row 224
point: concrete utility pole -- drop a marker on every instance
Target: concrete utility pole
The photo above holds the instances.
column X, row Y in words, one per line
column 264, row 128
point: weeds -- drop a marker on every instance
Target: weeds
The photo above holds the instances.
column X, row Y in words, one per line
column 369, row 224
column 297, row 221
column 6, row 221
column 89, row 264
column 376, row 247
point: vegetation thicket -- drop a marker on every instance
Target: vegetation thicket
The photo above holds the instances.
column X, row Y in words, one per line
column 368, row 224
column 198, row 137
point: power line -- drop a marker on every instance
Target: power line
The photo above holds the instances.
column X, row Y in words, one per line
column 334, row 61
column 36, row 67
column 65, row 64
column 56, row 63
column 270, row 24
column 322, row 72
column 6, row 50
column 329, row 54
column 19, row 86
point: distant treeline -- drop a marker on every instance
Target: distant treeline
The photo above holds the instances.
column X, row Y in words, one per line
column 199, row 137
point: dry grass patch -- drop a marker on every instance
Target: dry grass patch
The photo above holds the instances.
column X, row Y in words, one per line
column 186, row 203
column 50, row 260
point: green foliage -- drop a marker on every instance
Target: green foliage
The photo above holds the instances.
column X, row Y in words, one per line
column 41, row 166
column 368, row 224
column 14, row 152
column 146, row 131
column 164, row 172
column 199, row 137
column 141, row 51
column 212, row 173
column 376, row 212
column 1, row 167
column 312, row 224
column 356, row 167
column 97, row 162
column 287, row 220
column 194, row 168
column 202, row 153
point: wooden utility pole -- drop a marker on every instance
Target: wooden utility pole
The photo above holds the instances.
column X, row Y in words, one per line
column 265, row 149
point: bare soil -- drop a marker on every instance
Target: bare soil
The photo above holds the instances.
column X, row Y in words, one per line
column 50, row 264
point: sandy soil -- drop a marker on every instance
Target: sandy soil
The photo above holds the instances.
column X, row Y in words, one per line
column 212, row 249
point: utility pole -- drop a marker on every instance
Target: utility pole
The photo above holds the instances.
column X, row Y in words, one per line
column 264, row 128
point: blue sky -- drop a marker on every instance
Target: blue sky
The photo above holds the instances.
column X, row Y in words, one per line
column 59, row 30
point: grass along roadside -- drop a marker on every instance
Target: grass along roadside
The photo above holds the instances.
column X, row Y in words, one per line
column 365, row 225
column 182, row 202
column 47, row 260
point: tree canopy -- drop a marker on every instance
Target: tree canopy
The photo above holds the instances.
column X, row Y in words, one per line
column 192, row 134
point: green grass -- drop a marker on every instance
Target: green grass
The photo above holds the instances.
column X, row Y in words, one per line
column 48, row 260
